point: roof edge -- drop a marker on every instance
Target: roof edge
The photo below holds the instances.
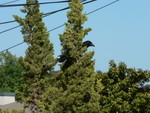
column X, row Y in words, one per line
column 7, row 94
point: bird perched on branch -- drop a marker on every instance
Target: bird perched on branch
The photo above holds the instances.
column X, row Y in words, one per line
column 87, row 44
column 62, row 58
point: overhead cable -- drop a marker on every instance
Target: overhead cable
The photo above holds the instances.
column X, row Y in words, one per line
column 12, row 46
column 19, row 0
column 102, row 7
column 9, row 2
column 16, row 5
column 45, row 15
column 9, row 29
column 64, row 24
column 88, row 13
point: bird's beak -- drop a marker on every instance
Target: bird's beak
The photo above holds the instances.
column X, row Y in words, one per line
column 93, row 45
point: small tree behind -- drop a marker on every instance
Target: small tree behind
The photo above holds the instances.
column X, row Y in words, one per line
column 10, row 72
column 121, row 90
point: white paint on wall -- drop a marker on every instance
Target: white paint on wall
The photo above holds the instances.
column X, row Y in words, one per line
column 6, row 100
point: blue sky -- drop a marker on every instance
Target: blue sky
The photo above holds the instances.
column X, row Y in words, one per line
column 120, row 32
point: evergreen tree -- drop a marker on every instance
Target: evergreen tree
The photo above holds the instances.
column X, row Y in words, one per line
column 121, row 92
column 75, row 83
column 10, row 72
column 39, row 61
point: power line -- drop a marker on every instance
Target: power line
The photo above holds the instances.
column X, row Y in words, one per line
column 88, row 13
column 45, row 15
column 102, row 7
column 64, row 24
column 12, row 47
column 50, row 13
column 9, row 2
column 9, row 29
column 16, row 5
column 19, row 0
column 6, row 22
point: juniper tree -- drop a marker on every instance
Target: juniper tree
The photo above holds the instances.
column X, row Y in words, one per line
column 121, row 92
column 39, row 61
column 77, row 79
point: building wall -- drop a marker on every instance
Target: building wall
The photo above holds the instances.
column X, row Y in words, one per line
column 6, row 99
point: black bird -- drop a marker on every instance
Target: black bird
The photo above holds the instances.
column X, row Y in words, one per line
column 88, row 43
column 87, row 97
column 62, row 58
column 67, row 51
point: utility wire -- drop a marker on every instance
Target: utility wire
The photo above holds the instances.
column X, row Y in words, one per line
column 88, row 13
column 102, row 7
column 6, row 22
column 9, row 2
column 16, row 5
column 50, row 13
column 9, row 29
column 45, row 15
column 21, row 4
column 64, row 24
column 12, row 46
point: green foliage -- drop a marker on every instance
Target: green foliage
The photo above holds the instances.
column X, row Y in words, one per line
column 12, row 111
column 48, row 100
column 121, row 90
column 39, row 61
column 10, row 72
column 76, row 88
